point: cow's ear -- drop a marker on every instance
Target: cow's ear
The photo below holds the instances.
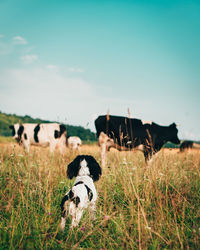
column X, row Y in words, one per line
column 13, row 129
column 173, row 125
column 94, row 167
column 73, row 168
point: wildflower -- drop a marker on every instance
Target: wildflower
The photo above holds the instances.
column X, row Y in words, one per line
column 49, row 213
column 82, row 228
column 106, row 217
column 124, row 161
column 49, row 236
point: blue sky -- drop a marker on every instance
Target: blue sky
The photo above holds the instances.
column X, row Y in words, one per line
column 71, row 60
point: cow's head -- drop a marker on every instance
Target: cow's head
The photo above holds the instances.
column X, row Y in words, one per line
column 174, row 134
column 17, row 131
column 12, row 127
column 105, row 140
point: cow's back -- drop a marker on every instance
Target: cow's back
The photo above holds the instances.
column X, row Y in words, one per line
column 29, row 130
column 113, row 123
column 125, row 131
column 48, row 132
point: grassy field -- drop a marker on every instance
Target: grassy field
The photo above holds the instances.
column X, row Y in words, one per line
column 138, row 207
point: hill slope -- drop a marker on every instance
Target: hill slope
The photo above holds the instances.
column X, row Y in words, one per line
column 9, row 119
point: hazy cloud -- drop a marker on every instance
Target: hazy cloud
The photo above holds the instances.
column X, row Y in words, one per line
column 52, row 67
column 76, row 70
column 46, row 93
column 19, row 40
column 50, row 94
column 5, row 48
column 28, row 59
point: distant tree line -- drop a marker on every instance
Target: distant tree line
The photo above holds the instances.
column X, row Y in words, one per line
column 85, row 134
column 9, row 119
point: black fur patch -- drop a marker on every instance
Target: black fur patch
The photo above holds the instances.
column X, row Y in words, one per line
column 13, row 129
column 65, row 198
column 62, row 129
column 25, row 136
column 89, row 191
column 80, row 182
column 71, row 194
column 186, row 145
column 94, row 168
column 36, row 130
column 20, row 131
column 56, row 134
column 76, row 201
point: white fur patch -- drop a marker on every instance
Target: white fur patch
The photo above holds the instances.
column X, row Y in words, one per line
column 140, row 147
column 84, row 168
column 146, row 122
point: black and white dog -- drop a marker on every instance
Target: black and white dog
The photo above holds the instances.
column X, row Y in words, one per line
column 83, row 194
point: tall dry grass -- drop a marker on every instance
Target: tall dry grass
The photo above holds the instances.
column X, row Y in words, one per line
column 138, row 207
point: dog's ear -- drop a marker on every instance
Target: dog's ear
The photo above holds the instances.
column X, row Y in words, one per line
column 94, row 167
column 73, row 168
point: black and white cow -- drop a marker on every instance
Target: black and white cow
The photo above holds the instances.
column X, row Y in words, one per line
column 53, row 135
column 125, row 133
column 188, row 145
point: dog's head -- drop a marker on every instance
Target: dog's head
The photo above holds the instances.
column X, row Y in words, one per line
column 84, row 165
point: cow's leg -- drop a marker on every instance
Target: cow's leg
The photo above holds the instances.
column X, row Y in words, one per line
column 148, row 156
column 62, row 148
column 151, row 157
column 26, row 144
column 52, row 146
column 103, row 154
column 105, row 143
